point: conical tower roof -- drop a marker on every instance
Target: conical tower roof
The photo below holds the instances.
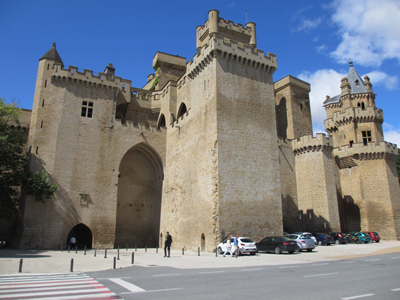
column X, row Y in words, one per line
column 53, row 55
column 355, row 81
column 356, row 84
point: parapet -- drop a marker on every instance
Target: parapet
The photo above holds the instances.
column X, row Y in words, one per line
column 168, row 59
column 231, row 50
column 310, row 143
column 291, row 81
column 354, row 114
column 87, row 77
column 224, row 28
column 370, row 151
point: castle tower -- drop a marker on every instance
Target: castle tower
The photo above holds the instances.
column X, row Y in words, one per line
column 222, row 174
column 293, row 112
column 369, row 193
column 316, row 184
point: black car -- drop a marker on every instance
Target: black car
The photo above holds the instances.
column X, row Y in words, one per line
column 323, row 238
column 277, row 244
column 340, row 238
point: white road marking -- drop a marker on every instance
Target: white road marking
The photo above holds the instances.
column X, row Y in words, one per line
column 324, row 274
column 287, row 267
column 358, row 297
column 373, row 259
column 395, row 290
column 37, row 288
column 248, row 270
column 54, row 293
column 129, row 286
column 396, row 257
column 211, row 272
column 76, row 297
column 321, row 264
column 160, row 275
column 347, row 262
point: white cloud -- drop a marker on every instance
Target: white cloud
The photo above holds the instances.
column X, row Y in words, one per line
column 369, row 31
column 307, row 24
column 391, row 134
column 378, row 77
column 323, row 83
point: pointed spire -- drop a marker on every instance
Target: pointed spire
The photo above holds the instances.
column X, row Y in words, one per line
column 52, row 54
column 355, row 81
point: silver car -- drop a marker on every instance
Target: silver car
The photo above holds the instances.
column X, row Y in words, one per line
column 304, row 241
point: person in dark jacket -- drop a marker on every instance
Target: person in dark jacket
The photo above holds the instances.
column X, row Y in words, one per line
column 167, row 244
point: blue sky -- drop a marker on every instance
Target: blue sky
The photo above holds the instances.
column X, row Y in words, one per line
column 313, row 40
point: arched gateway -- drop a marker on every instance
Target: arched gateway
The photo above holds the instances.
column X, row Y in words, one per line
column 139, row 198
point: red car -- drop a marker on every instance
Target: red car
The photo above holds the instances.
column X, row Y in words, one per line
column 374, row 236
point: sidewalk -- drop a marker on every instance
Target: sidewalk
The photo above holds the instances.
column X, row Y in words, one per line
column 35, row 261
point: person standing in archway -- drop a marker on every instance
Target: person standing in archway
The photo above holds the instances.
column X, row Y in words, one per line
column 167, row 244
column 72, row 242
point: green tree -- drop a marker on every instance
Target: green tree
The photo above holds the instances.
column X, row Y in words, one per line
column 14, row 173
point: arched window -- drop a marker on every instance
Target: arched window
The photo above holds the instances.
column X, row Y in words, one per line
column 182, row 110
column 161, row 121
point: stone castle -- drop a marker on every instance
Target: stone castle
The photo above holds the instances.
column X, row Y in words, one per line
column 206, row 148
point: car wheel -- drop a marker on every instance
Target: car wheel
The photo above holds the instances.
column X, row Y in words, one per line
column 220, row 250
column 278, row 250
column 252, row 253
column 319, row 243
column 329, row 244
column 291, row 252
column 337, row 242
column 376, row 241
column 309, row 250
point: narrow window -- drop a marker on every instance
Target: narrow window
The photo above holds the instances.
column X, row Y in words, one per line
column 41, row 124
column 123, row 87
column 48, row 66
column 362, row 105
column 301, row 106
column 87, row 109
column 45, row 83
column 366, row 137
column 37, row 150
column 351, row 144
column 42, row 102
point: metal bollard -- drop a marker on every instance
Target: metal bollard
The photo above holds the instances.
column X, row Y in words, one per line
column 84, row 253
column 133, row 258
column 72, row 265
column 76, row 249
column 20, row 265
column 68, row 248
column 118, row 253
column 105, row 253
column 157, row 250
column 126, row 246
column 115, row 263
column 216, row 252
column 198, row 251
column 183, row 251
column 145, row 249
column 95, row 250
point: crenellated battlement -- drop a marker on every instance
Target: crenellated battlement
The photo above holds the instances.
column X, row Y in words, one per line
column 310, row 143
column 350, row 115
column 233, row 50
column 140, row 128
column 86, row 77
column 370, row 151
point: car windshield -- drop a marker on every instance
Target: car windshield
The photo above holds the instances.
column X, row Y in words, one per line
column 246, row 240
column 305, row 236
column 284, row 238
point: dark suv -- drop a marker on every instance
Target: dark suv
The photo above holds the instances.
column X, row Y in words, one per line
column 340, row 238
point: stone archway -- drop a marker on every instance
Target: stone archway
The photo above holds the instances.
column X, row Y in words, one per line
column 83, row 236
column 139, row 198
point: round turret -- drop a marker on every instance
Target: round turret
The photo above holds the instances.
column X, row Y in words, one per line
column 253, row 39
column 213, row 18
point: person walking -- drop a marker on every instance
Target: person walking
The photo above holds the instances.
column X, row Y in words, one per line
column 236, row 243
column 228, row 247
column 72, row 242
column 167, row 244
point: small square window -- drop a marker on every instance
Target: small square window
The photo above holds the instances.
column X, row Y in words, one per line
column 87, row 109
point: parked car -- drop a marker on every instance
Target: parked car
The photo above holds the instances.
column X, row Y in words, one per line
column 339, row 238
column 246, row 245
column 309, row 233
column 323, row 238
column 374, row 236
column 359, row 237
column 304, row 241
column 276, row 244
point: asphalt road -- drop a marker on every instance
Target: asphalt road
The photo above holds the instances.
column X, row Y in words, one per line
column 373, row 277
